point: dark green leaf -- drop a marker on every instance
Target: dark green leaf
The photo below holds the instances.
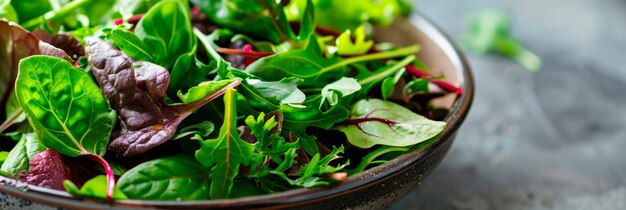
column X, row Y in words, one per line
column 389, row 84
column 92, row 189
column 378, row 122
column 416, row 86
column 130, row 44
column 202, row 129
column 200, row 91
column 225, row 154
column 311, row 174
column 73, row 121
column 171, row 178
column 19, row 158
column 166, row 28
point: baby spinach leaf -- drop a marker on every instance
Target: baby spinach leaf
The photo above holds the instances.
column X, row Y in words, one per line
column 137, row 91
column 73, row 121
column 19, row 158
column 340, row 88
column 284, row 91
column 92, row 189
column 227, row 153
column 170, row 178
column 130, row 44
column 166, row 28
column 378, row 122
column 345, row 45
column 17, row 43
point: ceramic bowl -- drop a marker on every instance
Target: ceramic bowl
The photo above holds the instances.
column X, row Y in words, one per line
column 373, row 189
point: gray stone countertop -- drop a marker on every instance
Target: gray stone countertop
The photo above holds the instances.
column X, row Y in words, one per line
column 555, row 139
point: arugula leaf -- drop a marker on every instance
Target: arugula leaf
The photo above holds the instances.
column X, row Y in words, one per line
column 19, row 158
column 378, row 122
column 269, row 144
column 345, row 46
column 166, row 28
column 490, row 32
column 311, row 174
column 130, row 44
column 338, row 89
column 225, row 154
column 92, row 189
column 137, row 91
column 171, row 178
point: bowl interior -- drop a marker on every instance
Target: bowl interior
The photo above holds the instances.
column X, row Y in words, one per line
column 437, row 52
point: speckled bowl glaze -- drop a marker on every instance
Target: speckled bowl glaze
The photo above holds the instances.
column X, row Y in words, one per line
column 373, row 189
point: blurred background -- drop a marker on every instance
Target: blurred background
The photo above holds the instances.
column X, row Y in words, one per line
column 555, row 139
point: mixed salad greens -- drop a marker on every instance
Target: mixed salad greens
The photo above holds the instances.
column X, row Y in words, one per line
column 190, row 100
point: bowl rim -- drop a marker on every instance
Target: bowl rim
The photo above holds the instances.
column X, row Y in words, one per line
column 303, row 196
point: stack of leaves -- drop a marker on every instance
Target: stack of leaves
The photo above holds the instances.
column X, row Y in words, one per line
column 139, row 88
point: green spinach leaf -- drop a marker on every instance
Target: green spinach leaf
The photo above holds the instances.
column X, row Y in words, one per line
column 378, row 122
column 19, row 158
column 227, row 153
column 171, row 178
column 166, row 28
column 130, row 44
column 73, row 121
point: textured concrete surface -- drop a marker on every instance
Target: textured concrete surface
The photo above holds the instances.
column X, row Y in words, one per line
column 555, row 139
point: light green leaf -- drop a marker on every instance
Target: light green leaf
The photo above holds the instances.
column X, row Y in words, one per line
column 284, row 91
column 378, row 122
column 345, row 46
column 64, row 105
column 225, row 154
column 93, row 189
column 171, row 178
column 340, row 88
column 202, row 90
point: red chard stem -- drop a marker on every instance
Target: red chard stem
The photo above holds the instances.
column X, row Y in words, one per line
column 109, row 174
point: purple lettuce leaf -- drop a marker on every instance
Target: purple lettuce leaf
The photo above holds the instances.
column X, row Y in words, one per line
column 49, row 169
column 137, row 91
